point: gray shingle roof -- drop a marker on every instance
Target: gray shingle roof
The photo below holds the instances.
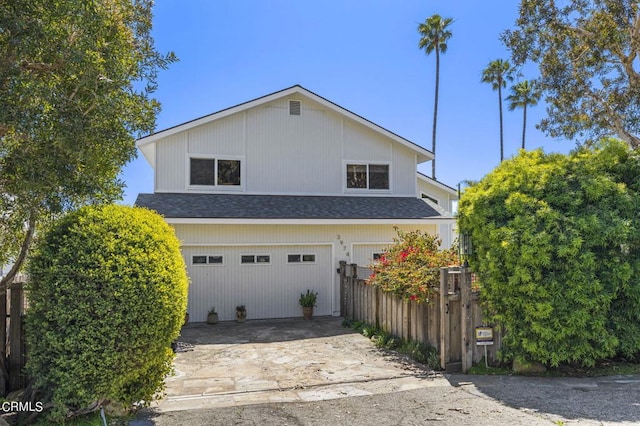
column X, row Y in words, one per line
column 240, row 206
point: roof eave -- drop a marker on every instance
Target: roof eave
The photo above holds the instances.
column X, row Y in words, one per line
column 439, row 184
column 423, row 154
column 439, row 220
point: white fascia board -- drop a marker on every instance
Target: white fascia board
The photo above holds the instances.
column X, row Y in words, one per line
column 438, row 185
column 149, row 152
column 212, row 117
column 231, row 221
column 423, row 154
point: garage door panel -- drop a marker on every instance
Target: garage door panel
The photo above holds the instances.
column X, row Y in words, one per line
column 267, row 290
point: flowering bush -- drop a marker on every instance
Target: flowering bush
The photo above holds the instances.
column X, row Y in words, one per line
column 410, row 268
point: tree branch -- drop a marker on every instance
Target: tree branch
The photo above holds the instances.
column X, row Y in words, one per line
column 38, row 66
column 616, row 123
column 24, row 249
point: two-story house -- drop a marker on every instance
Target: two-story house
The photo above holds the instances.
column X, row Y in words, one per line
column 268, row 196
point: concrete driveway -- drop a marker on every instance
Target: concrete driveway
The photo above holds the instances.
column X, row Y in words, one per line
column 232, row 364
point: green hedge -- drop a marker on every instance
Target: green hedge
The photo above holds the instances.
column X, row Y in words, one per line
column 107, row 296
column 556, row 243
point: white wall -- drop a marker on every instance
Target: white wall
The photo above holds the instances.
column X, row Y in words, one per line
column 445, row 198
column 285, row 154
column 346, row 243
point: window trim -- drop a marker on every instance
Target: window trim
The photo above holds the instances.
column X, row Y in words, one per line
column 215, row 187
column 347, row 163
column 303, row 262
column 255, row 259
column 206, row 256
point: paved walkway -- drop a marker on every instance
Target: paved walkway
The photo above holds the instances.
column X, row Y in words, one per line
column 295, row 372
column 283, row 361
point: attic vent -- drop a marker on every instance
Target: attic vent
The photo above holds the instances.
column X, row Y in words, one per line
column 295, row 107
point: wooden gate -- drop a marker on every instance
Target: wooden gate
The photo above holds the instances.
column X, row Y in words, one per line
column 460, row 316
column 453, row 330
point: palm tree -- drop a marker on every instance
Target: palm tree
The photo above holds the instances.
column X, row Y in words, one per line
column 523, row 94
column 433, row 37
column 497, row 73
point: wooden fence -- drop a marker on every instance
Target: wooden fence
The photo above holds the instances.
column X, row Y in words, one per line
column 448, row 322
column 12, row 343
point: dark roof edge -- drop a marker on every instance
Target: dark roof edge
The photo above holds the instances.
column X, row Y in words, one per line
column 437, row 181
column 275, row 93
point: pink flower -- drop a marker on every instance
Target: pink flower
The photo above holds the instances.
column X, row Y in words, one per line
column 413, row 297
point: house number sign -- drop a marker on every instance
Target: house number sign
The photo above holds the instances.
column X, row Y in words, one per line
column 484, row 336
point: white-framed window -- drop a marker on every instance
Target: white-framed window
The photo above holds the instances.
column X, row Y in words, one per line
column 255, row 259
column 207, row 259
column 372, row 176
column 220, row 172
column 301, row 258
column 377, row 255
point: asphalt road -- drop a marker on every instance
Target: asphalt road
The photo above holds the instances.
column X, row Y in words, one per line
column 470, row 400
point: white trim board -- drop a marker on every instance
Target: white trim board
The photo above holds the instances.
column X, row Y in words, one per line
column 234, row 221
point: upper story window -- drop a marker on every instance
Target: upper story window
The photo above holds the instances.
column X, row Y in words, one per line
column 368, row 176
column 214, row 172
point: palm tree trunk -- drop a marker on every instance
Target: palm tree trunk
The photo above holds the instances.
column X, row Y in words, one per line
column 435, row 115
column 501, row 137
column 524, row 124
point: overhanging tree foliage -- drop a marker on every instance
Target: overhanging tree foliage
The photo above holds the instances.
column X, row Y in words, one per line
column 556, row 241
column 75, row 81
column 587, row 53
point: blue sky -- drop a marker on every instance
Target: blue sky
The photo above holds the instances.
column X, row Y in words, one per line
column 361, row 54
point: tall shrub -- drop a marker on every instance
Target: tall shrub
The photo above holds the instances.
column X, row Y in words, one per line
column 107, row 295
column 555, row 242
column 410, row 268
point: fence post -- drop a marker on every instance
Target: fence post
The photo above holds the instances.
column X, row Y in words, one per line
column 16, row 350
column 444, row 318
column 3, row 342
column 466, row 319
column 354, row 276
column 376, row 294
column 343, row 292
column 406, row 320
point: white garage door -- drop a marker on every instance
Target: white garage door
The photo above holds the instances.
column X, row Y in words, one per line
column 268, row 280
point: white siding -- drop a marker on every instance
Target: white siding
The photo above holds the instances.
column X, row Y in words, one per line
column 363, row 144
column 444, row 198
column 267, row 290
column 170, row 164
column 403, row 160
column 293, row 154
column 363, row 252
column 340, row 238
column 285, row 154
column 221, row 137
